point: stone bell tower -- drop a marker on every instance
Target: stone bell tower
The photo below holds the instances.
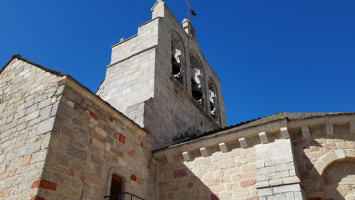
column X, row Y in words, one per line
column 161, row 80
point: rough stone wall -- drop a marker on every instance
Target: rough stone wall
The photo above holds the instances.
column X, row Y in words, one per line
column 27, row 109
column 88, row 145
column 224, row 176
column 317, row 156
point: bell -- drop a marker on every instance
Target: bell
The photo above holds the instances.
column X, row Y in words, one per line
column 176, row 66
column 212, row 107
column 196, row 92
column 176, row 69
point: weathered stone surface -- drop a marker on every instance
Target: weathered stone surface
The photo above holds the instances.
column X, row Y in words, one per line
column 59, row 141
column 139, row 82
column 23, row 93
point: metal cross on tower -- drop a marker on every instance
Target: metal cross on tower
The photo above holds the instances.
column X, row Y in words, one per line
column 191, row 13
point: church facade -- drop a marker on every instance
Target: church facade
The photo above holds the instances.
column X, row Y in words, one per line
column 156, row 129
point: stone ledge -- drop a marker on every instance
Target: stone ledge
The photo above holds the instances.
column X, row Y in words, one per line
column 241, row 136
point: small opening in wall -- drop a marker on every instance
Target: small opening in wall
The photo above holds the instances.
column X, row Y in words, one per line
column 197, row 79
column 116, row 187
column 177, row 58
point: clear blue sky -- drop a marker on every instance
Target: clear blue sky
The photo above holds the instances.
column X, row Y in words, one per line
column 272, row 56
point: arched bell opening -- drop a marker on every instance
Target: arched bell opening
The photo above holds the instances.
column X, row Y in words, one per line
column 197, row 79
column 213, row 100
column 177, row 58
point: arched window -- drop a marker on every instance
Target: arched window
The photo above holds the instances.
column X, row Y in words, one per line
column 177, row 58
column 197, row 79
column 213, row 98
column 116, row 187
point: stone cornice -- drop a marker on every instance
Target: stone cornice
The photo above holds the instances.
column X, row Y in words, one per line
column 242, row 134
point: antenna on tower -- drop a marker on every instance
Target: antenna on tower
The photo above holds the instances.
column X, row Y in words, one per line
column 191, row 13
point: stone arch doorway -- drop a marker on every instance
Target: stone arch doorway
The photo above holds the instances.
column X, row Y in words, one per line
column 338, row 180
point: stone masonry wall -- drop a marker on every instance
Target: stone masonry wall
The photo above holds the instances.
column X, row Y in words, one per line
column 277, row 178
column 139, row 82
column 326, row 159
column 173, row 103
column 88, row 145
column 129, row 80
column 219, row 176
column 129, row 84
column 27, row 106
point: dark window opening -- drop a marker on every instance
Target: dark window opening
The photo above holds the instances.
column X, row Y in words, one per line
column 213, row 98
column 116, row 187
column 177, row 58
column 197, row 79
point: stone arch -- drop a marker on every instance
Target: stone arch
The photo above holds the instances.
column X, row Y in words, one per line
column 214, row 100
column 123, row 173
column 331, row 157
column 197, row 78
column 326, row 161
column 338, row 180
column 178, row 58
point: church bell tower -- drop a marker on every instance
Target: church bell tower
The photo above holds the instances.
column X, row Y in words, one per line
column 160, row 79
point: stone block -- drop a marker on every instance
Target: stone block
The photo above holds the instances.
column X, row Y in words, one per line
column 281, row 167
column 261, row 178
column 287, row 188
column 329, row 129
column 204, row 151
column 267, row 170
column 223, row 147
column 2, row 168
column 262, row 184
column 263, row 137
column 26, row 160
column 284, row 132
column 292, row 172
column 298, row 196
column 290, row 180
column 289, row 196
column 260, row 164
column 44, row 184
column 277, row 175
column 45, row 126
column 291, row 166
column 187, row 156
column 274, row 182
column 76, row 152
column 29, row 149
column 340, row 154
column 352, row 127
column 305, row 132
column 32, row 115
column 247, row 183
column 243, row 142
column 179, row 173
column 265, row 192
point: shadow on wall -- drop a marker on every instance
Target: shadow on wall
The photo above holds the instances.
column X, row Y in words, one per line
column 326, row 164
column 181, row 183
column 219, row 176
